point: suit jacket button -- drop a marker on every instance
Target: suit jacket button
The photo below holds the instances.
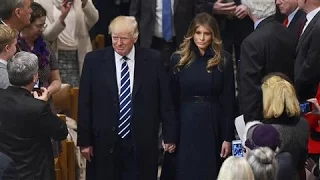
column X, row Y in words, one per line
column 111, row 151
column 113, row 128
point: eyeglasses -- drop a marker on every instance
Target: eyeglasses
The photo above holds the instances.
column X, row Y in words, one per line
column 40, row 26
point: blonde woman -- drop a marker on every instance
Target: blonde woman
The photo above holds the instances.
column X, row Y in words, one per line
column 281, row 109
column 202, row 85
column 243, row 170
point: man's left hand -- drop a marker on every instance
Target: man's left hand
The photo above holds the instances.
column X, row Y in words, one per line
column 241, row 11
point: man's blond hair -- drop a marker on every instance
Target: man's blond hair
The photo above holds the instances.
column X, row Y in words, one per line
column 7, row 36
column 124, row 22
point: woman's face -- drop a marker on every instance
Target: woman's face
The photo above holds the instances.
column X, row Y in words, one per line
column 202, row 38
column 37, row 27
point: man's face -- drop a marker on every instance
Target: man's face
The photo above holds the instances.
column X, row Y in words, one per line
column 24, row 13
column 287, row 6
column 123, row 41
column 12, row 48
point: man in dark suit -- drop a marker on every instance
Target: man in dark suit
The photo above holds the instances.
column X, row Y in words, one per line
column 164, row 30
column 269, row 48
column 306, row 71
column 15, row 13
column 27, row 123
column 8, row 169
column 295, row 17
column 123, row 96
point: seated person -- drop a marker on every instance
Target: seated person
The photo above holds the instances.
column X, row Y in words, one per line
column 8, row 41
column 265, row 135
column 243, row 170
column 27, row 123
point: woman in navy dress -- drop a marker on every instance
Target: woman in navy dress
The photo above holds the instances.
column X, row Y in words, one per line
column 203, row 89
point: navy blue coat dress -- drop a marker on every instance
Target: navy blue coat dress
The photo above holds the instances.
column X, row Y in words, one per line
column 203, row 125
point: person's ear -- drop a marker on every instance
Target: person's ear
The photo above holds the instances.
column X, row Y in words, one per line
column 6, row 48
column 17, row 12
column 35, row 77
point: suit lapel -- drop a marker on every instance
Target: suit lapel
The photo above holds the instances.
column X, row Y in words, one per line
column 308, row 30
column 109, row 70
column 138, row 71
column 296, row 17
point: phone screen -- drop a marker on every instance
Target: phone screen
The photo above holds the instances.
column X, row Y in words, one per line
column 305, row 107
column 37, row 85
column 237, row 149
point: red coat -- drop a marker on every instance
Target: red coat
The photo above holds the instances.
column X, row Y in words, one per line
column 314, row 146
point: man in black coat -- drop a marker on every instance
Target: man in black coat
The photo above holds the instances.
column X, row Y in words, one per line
column 269, row 48
column 306, row 70
column 294, row 17
column 27, row 123
column 124, row 95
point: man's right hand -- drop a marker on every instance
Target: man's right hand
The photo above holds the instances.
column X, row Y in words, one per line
column 224, row 8
column 87, row 152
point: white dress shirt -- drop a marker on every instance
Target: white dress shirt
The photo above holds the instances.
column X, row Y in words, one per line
column 291, row 16
column 158, row 21
column 258, row 22
column 130, row 61
column 310, row 16
column 3, row 62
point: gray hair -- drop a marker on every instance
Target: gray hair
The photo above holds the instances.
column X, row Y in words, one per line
column 22, row 67
column 261, row 8
column 263, row 163
column 8, row 6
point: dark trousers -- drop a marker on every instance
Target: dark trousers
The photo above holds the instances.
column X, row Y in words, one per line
column 166, row 49
column 126, row 161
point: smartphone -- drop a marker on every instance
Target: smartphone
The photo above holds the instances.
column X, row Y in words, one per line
column 305, row 107
column 237, row 149
column 70, row 1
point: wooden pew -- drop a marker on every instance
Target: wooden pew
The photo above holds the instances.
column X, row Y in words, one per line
column 65, row 163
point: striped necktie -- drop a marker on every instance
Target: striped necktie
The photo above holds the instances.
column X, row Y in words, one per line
column 125, row 100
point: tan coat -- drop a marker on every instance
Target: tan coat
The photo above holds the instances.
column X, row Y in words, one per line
column 86, row 18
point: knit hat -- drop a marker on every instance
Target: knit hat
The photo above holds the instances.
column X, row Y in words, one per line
column 263, row 135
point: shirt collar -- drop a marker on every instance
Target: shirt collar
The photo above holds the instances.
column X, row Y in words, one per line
column 130, row 56
column 258, row 22
column 3, row 22
column 3, row 62
column 311, row 14
column 291, row 15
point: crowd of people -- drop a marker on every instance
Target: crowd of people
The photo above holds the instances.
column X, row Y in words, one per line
column 181, row 69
